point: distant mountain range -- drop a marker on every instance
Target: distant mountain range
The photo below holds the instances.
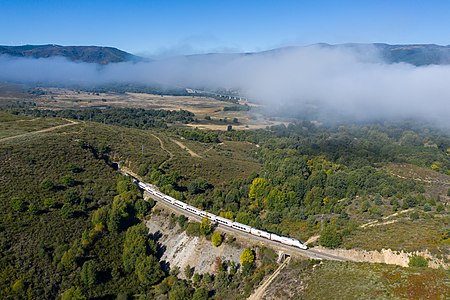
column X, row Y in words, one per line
column 415, row 54
column 88, row 54
column 418, row 55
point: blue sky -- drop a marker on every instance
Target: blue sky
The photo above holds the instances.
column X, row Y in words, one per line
column 175, row 27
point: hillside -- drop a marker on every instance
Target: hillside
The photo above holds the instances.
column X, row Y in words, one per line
column 354, row 186
column 88, row 54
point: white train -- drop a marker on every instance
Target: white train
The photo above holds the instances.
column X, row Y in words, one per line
column 236, row 225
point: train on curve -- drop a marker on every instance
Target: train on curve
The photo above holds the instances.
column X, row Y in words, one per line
column 223, row 221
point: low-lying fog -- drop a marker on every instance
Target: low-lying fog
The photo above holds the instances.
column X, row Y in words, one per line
column 350, row 81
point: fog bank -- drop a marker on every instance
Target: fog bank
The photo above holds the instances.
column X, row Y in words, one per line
column 351, row 81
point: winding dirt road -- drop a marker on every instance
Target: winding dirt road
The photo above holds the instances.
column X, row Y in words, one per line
column 71, row 123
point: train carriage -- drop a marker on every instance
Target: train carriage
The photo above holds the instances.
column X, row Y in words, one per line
column 192, row 209
column 241, row 227
column 169, row 199
column 208, row 215
column 260, row 233
column 224, row 221
column 180, row 204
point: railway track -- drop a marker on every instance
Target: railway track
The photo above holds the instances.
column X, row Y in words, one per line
column 294, row 251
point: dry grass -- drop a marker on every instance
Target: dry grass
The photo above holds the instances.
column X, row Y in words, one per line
column 434, row 183
column 346, row 280
column 59, row 98
column 404, row 234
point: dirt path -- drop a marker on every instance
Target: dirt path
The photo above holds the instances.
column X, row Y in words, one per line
column 260, row 291
column 183, row 146
column 161, row 144
column 40, row 131
column 376, row 223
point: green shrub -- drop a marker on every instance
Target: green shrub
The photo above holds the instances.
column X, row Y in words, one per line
column 193, row 229
column 49, row 203
column 330, row 237
column 414, row 216
column 216, row 239
column 418, row 261
column 47, row 185
column 18, row 204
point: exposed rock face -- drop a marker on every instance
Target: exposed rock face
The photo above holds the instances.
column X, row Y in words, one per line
column 386, row 256
column 181, row 250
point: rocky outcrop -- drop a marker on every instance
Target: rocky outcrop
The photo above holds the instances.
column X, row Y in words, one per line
column 386, row 256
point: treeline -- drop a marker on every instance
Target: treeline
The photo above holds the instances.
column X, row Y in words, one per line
column 203, row 136
column 135, row 88
column 244, row 107
column 127, row 117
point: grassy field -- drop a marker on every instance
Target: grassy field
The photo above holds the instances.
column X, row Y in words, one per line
column 406, row 234
column 345, row 280
column 11, row 125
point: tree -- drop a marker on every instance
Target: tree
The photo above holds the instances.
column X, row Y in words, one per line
column 18, row 204
column 216, row 239
column 73, row 294
column 193, row 229
column 205, row 226
column 142, row 207
column 229, row 128
column 47, row 185
column 18, row 287
column 68, row 181
column 136, row 245
column 259, row 189
column 330, row 237
column 89, row 274
column 200, row 294
column 247, row 257
column 188, row 271
column 182, row 221
column 181, row 291
column 67, row 211
column 68, row 260
column 148, row 270
column 32, row 209
column 100, row 216
column 49, row 203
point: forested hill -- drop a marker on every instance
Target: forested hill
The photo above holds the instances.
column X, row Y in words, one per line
column 88, row 54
